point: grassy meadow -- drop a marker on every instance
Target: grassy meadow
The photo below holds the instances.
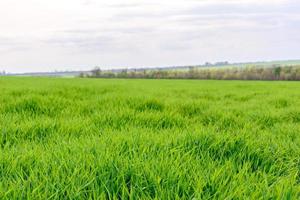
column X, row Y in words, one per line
column 149, row 139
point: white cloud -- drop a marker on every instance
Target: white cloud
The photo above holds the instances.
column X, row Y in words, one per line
column 61, row 33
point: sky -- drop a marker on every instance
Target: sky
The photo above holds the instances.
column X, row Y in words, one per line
column 57, row 35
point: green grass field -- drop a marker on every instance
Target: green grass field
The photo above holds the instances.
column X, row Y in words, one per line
column 149, row 139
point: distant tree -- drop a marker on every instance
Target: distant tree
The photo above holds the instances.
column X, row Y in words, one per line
column 192, row 72
column 277, row 71
column 81, row 75
column 96, row 72
column 123, row 74
column 208, row 64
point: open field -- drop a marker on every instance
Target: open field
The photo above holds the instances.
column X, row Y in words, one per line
column 147, row 139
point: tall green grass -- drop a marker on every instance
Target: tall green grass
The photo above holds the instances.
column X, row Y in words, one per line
column 149, row 139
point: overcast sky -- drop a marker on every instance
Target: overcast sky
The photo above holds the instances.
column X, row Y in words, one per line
column 48, row 35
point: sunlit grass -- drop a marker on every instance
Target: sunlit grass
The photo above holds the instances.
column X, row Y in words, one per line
column 147, row 139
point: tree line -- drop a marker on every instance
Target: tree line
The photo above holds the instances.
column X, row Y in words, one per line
column 228, row 73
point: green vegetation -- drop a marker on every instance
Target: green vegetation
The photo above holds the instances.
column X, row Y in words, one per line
column 149, row 139
column 251, row 72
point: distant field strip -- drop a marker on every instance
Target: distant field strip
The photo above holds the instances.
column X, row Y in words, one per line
column 149, row 139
